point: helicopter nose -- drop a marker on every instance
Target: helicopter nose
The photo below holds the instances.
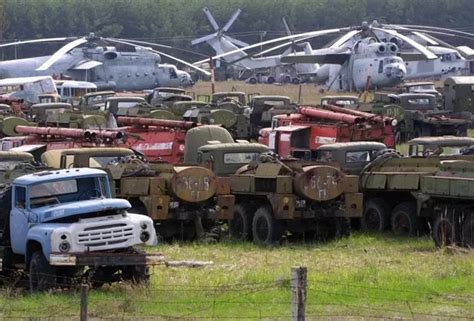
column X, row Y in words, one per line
column 396, row 71
column 185, row 79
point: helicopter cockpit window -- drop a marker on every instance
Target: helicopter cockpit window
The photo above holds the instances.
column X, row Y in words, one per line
column 380, row 66
column 173, row 73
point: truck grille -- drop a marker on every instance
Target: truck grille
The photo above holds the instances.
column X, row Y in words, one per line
column 105, row 235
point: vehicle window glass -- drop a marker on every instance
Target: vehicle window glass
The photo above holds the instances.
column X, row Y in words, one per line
column 53, row 188
column 324, row 156
column 360, row 156
column 20, row 193
column 380, row 66
column 239, row 158
column 7, row 165
column 127, row 104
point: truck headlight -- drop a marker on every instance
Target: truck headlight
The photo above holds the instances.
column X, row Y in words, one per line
column 394, row 122
column 144, row 236
column 64, row 246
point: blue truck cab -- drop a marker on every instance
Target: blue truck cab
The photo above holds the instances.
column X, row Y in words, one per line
column 67, row 218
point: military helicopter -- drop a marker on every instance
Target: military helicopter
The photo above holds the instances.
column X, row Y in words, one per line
column 83, row 59
column 240, row 60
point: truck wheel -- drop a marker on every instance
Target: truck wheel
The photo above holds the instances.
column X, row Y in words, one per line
column 253, row 81
column 295, row 81
column 444, row 230
column 42, row 275
column 404, row 220
column 376, row 216
column 240, row 227
column 265, row 229
column 270, row 80
column 468, row 232
column 136, row 274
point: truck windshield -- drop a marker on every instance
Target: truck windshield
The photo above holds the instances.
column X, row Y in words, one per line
column 239, row 158
column 64, row 191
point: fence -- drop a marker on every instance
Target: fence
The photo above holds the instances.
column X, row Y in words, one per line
column 294, row 298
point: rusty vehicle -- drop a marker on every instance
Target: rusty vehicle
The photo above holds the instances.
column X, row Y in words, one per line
column 421, row 87
column 343, row 101
column 448, row 195
column 300, row 134
column 166, row 96
column 94, row 101
column 49, row 98
column 458, row 96
column 274, row 197
column 392, row 184
column 350, row 157
column 184, row 201
column 63, row 115
column 157, row 139
column 264, row 108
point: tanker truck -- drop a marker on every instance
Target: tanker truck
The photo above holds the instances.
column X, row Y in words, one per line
column 274, row 197
column 184, row 201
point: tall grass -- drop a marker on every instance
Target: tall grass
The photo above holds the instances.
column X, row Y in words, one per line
column 357, row 277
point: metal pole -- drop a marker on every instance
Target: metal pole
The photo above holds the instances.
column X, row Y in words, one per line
column 84, row 293
column 298, row 293
column 213, row 88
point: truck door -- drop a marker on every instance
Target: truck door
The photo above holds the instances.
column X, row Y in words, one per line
column 18, row 220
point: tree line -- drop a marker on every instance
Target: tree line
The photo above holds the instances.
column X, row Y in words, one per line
column 177, row 22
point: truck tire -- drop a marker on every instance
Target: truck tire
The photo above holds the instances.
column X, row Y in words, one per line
column 253, row 81
column 240, row 227
column 376, row 217
column 270, row 80
column 468, row 232
column 265, row 229
column 444, row 230
column 295, row 81
column 136, row 274
column 404, row 219
column 42, row 274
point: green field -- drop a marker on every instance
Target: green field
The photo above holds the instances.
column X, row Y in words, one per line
column 363, row 276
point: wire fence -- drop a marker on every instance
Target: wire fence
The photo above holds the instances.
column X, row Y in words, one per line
column 262, row 300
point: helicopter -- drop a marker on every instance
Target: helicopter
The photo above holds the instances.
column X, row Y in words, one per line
column 83, row 59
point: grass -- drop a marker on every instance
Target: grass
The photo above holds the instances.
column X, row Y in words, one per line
column 310, row 93
column 358, row 277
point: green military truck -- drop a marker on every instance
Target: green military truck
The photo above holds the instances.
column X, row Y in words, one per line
column 448, row 194
column 182, row 200
column 276, row 198
column 392, row 184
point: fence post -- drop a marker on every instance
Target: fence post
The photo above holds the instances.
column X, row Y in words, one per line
column 299, row 94
column 84, row 293
column 298, row 292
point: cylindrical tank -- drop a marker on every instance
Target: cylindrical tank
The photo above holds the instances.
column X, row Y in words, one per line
column 155, row 122
column 200, row 136
column 15, row 156
column 223, row 117
column 319, row 183
column 329, row 115
column 8, row 124
column 192, row 184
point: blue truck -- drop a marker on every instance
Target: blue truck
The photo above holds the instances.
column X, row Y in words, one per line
column 63, row 225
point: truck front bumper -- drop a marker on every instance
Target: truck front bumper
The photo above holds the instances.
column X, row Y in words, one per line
column 105, row 259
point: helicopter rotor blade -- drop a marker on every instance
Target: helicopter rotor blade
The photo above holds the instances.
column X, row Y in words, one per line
column 231, row 20
column 24, row 42
column 211, row 19
column 160, row 53
column 204, row 39
column 161, row 46
column 61, row 52
column 440, row 29
column 428, row 54
column 311, row 34
column 280, row 46
column 342, row 40
column 236, row 42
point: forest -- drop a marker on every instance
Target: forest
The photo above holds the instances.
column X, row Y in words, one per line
column 177, row 22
